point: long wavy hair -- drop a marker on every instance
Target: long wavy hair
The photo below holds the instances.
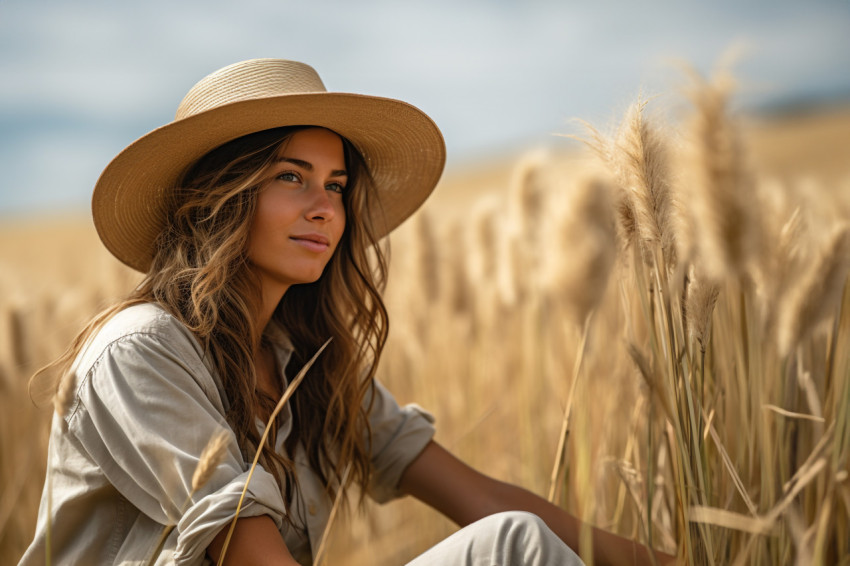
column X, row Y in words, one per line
column 201, row 274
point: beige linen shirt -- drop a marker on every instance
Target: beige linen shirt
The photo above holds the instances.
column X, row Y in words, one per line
column 121, row 461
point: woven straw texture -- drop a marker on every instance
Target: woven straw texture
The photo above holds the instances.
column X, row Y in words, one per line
column 402, row 147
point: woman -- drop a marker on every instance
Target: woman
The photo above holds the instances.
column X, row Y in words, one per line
column 255, row 216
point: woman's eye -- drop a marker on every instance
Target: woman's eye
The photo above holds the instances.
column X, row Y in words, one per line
column 335, row 187
column 288, row 176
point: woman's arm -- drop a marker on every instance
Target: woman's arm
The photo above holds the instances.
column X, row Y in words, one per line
column 255, row 542
column 465, row 495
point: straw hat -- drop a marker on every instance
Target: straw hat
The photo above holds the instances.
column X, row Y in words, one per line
column 403, row 148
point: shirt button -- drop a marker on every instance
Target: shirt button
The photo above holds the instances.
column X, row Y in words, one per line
column 311, row 508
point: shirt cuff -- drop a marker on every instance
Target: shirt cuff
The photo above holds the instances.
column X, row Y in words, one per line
column 200, row 524
column 412, row 435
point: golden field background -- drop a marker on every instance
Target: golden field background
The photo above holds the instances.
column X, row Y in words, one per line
column 724, row 434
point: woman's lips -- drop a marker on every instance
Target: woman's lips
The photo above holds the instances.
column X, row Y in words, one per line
column 314, row 242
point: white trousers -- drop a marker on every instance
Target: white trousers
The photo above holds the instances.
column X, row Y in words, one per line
column 513, row 538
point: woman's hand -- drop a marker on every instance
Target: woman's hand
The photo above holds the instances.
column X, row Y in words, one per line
column 465, row 495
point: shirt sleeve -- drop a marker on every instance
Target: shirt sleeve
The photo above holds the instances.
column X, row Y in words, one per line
column 144, row 415
column 399, row 434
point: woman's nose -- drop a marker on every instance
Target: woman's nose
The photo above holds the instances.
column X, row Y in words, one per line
column 320, row 206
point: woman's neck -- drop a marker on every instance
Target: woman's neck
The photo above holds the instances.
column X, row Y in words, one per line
column 270, row 299
column 268, row 376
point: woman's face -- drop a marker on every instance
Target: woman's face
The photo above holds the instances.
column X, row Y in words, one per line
column 300, row 217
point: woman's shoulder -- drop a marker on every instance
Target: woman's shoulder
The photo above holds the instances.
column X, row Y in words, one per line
column 145, row 348
column 146, row 319
column 143, row 323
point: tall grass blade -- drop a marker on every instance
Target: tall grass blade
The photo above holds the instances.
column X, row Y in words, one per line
column 280, row 404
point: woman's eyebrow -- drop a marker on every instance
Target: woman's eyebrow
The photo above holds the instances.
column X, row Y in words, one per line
column 309, row 166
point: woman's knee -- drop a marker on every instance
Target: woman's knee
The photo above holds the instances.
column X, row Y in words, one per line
column 514, row 520
column 516, row 526
column 512, row 538
column 519, row 537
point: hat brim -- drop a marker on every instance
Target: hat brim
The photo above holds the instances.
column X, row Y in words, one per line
column 401, row 145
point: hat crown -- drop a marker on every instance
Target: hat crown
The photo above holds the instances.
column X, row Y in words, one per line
column 248, row 80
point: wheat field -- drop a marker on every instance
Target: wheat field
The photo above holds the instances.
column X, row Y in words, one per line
column 653, row 331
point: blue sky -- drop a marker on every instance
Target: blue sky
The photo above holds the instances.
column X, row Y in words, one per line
column 82, row 79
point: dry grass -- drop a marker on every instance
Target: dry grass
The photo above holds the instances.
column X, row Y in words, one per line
column 710, row 407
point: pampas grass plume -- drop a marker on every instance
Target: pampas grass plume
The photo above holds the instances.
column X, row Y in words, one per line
column 520, row 229
column 483, row 238
column 459, row 287
column 213, row 454
column 640, row 160
column 604, row 148
column 585, row 237
column 426, row 244
column 482, row 243
column 18, row 338
column 816, row 296
column 699, row 304
column 722, row 193
column 527, row 191
column 64, row 394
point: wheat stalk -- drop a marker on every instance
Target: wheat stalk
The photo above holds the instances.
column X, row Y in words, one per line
column 212, row 455
column 560, row 453
column 290, row 390
column 320, row 554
